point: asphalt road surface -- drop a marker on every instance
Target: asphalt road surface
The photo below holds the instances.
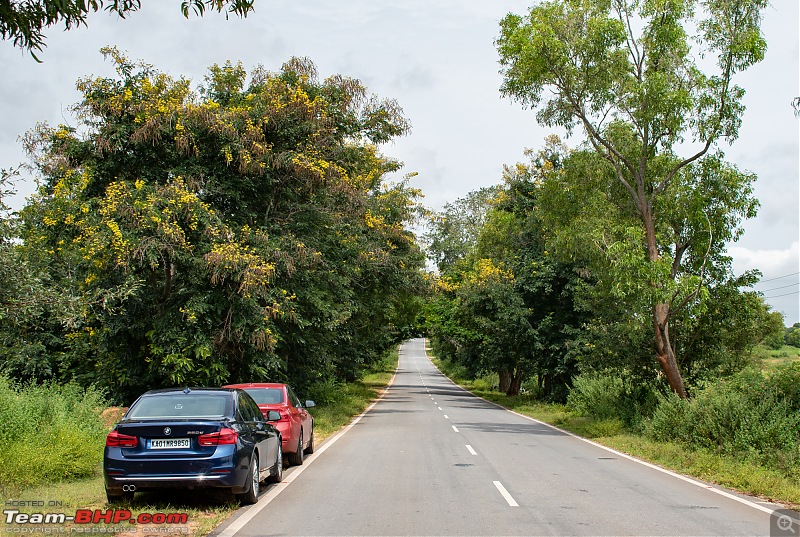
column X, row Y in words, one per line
column 431, row 459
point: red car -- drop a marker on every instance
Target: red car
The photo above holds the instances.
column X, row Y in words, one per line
column 296, row 424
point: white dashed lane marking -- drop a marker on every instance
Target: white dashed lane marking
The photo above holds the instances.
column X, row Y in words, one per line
column 505, row 494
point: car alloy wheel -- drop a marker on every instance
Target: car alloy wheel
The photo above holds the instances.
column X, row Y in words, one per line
column 276, row 476
column 296, row 458
column 251, row 496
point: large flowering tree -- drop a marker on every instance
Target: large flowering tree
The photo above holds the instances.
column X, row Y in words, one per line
column 243, row 231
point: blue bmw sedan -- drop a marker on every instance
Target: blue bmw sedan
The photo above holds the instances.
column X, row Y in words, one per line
column 190, row 438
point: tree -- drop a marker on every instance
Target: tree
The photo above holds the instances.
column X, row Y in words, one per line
column 793, row 335
column 505, row 304
column 453, row 232
column 243, row 231
column 33, row 311
column 624, row 72
column 24, row 21
column 773, row 330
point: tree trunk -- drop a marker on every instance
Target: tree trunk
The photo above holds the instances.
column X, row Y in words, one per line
column 505, row 380
column 664, row 352
column 515, row 384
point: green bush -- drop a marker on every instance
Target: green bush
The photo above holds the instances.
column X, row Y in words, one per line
column 49, row 433
column 325, row 392
column 594, row 395
column 613, row 395
column 749, row 415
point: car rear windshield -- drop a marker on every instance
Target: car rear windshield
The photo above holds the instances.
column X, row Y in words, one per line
column 180, row 405
column 266, row 396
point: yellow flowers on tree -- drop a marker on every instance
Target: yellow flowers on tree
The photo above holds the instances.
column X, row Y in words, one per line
column 242, row 231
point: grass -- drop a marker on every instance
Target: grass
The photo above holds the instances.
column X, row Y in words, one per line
column 736, row 473
column 205, row 509
column 772, row 358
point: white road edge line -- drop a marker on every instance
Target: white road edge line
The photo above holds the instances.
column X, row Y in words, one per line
column 621, row 454
column 505, row 494
column 454, row 428
column 472, row 451
column 445, row 417
column 253, row 510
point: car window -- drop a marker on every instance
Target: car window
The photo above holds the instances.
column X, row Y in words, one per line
column 266, row 396
column 181, row 405
column 295, row 401
column 245, row 409
column 257, row 414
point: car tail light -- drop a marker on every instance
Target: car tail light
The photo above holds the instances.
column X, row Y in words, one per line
column 225, row 436
column 116, row 439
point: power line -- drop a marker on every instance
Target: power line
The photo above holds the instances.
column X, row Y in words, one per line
column 776, row 288
column 779, row 277
column 785, row 294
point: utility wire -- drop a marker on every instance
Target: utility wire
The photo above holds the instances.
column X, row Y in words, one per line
column 776, row 288
column 779, row 277
column 785, row 294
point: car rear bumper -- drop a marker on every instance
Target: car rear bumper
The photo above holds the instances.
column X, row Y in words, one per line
column 236, row 481
column 226, row 470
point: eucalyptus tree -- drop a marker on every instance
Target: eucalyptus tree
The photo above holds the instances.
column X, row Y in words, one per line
column 651, row 83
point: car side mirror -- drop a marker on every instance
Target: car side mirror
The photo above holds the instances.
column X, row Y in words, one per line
column 273, row 415
column 310, row 404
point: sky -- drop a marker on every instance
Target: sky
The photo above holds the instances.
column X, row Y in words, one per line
column 438, row 60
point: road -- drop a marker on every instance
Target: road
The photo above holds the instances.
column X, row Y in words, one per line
column 431, row 459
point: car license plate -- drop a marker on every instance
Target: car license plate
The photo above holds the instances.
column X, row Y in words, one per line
column 169, row 443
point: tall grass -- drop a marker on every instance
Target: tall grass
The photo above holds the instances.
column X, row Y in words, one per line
column 48, row 433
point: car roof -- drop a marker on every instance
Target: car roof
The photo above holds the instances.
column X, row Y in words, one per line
column 255, row 385
column 163, row 391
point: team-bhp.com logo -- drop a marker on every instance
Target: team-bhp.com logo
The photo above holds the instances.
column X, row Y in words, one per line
column 94, row 516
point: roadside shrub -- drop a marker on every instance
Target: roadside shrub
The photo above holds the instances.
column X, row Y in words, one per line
column 612, row 395
column 325, row 392
column 749, row 415
column 49, row 433
column 595, row 395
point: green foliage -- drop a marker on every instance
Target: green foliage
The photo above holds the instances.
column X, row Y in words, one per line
column 719, row 341
column 767, row 478
column 652, row 223
column 504, row 304
column 242, row 232
column 596, row 395
column 774, row 332
column 453, row 233
column 49, row 433
column 24, row 22
column 614, row 396
column 749, row 414
column 793, row 336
